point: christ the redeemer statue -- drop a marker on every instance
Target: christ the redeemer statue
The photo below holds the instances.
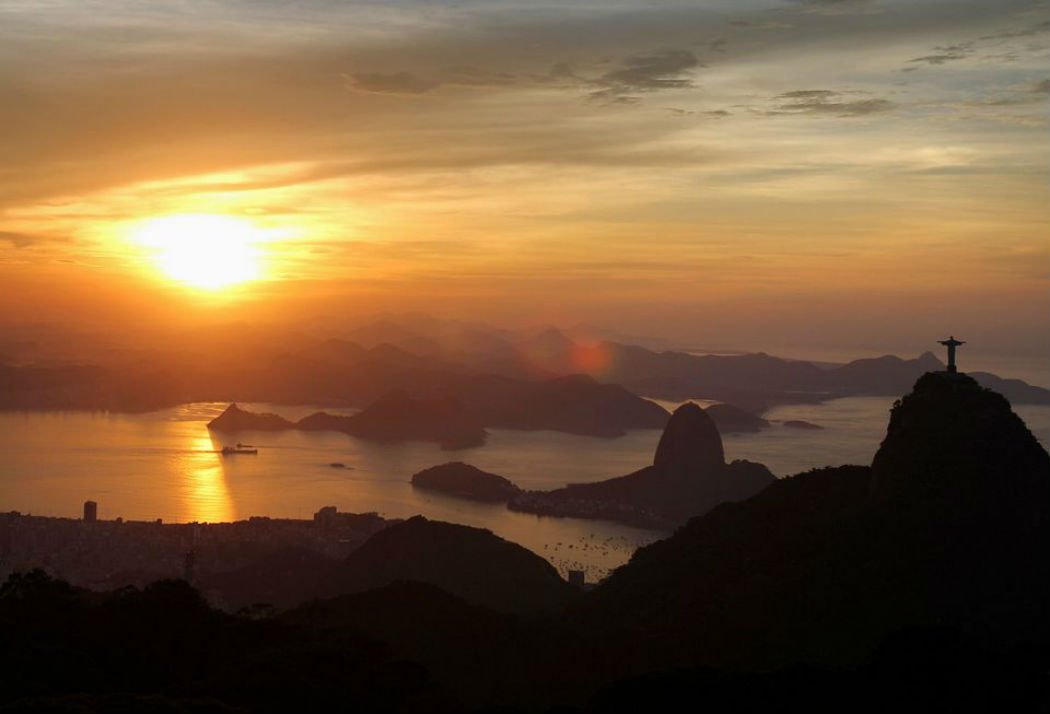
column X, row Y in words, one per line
column 951, row 343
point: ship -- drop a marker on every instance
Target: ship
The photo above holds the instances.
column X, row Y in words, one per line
column 239, row 449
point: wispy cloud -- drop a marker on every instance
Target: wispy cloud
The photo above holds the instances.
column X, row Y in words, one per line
column 638, row 74
column 946, row 53
column 827, row 102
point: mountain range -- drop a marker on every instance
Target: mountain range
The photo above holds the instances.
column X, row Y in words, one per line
column 486, row 369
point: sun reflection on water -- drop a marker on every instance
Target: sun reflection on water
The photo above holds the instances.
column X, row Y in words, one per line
column 206, row 497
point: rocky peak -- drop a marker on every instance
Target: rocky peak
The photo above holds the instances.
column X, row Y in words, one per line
column 690, row 441
column 929, row 362
column 952, row 437
column 235, row 419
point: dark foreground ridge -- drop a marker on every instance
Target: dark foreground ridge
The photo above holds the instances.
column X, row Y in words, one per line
column 470, row 563
column 949, row 528
column 917, row 584
column 689, row 477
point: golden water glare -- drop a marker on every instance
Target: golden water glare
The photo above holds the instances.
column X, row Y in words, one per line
column 205, row 496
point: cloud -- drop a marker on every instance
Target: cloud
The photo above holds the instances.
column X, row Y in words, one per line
column 1036, row 29
column 827, row 102
column 1016, row 95
column 646, row 73
column 947, row 53
column 23, row 240
column 834, row 6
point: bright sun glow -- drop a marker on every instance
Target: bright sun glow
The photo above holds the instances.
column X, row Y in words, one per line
column 202, row 250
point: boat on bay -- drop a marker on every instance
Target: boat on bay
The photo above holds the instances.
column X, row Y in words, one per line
column 239, row 449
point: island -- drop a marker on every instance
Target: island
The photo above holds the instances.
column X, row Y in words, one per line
column 394, row 417
column 800, row 424
column 731, row 419
column 688, row 477
column 466, row 481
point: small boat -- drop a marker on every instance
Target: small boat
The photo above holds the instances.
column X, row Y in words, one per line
column 239, row 449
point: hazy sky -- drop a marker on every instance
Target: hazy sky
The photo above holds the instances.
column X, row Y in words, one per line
column 843, row 172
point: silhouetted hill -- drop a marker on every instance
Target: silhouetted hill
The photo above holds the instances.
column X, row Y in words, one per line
column 576, row 404
column 470, row 563
column 397, row 417
column 1016, row 390
column 387, row 332
column 880, row 375
column 454, row 409
column 751, row 381
column 163, row 649
column 478, row 365
column 283, row 578
column 234, row 419
column 950, row 440
column 494, row 661
column 733, row 419
column 688, row 477
column 800, row 424
column 465, row 481
column 949, row 528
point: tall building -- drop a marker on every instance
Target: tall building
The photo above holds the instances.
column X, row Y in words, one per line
column 90, row 511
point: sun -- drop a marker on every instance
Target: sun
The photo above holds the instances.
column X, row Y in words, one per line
column 203, row 250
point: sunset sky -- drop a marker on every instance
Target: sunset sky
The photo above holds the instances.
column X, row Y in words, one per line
column 747, row 173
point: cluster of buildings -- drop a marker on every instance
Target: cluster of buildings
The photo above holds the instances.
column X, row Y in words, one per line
column 103, row 555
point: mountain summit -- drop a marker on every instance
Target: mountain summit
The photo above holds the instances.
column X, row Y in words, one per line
column 690, row 442
column 952, row 439
column 689, row 476
column 948, row 529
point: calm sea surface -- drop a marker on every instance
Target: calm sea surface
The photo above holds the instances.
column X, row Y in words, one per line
column 164, row 465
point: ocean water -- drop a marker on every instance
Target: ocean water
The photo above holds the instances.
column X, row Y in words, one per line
column 165, row 465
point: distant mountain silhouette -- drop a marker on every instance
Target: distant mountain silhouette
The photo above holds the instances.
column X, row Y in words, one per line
column 689, row 476
column 234, row 419
column 465, row 481
column 949, row 528
column 395, row 417
column 387, row 332
column 575, row 404
column 801, row 424
column 470, row 563
column 398, row 417
column 880, row 375
column 484, row 368
column 732, row 419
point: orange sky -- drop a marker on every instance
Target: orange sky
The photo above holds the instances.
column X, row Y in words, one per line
column 752, row 173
